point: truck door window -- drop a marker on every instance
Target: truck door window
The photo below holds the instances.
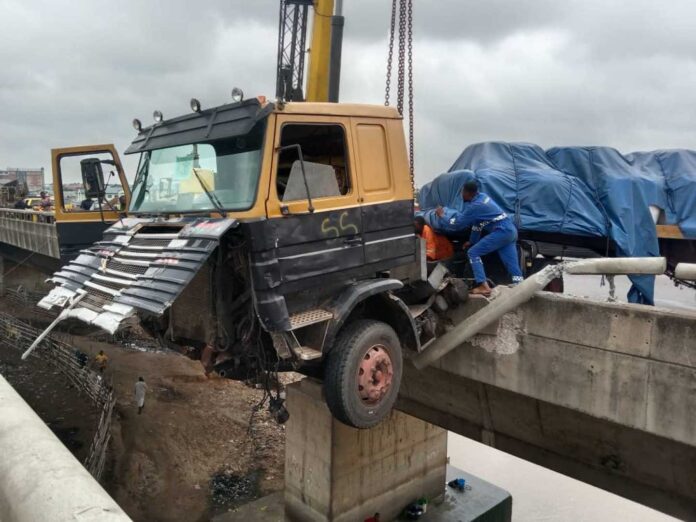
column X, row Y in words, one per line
column 325, row 163
column 74, row 198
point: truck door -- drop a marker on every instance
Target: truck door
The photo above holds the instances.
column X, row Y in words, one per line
column 385, row 191
column 84, row 211
column 322, row 240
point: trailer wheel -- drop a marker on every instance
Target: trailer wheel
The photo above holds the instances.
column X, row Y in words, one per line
column 363, row 373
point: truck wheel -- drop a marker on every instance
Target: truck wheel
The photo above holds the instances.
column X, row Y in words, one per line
column 363, row 373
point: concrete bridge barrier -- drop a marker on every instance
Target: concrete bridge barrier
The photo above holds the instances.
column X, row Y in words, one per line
column 39, row 478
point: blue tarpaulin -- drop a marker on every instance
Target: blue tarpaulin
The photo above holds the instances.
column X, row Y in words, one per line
column 580, row 191
column 678, row 170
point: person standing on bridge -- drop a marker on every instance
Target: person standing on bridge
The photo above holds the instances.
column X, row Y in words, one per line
column 140, row 389
column 45, row 203
column 483, row 214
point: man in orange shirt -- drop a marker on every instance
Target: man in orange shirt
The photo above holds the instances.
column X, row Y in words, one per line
column 437, row 247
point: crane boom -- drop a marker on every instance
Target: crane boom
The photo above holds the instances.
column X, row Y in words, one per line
column 320, row 52
column 292, row 39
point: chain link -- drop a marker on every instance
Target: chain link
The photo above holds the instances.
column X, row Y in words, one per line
column 410, row 93
column 402, row 53
column 390, row 52
column 405, row 37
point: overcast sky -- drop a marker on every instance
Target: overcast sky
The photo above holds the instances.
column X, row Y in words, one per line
column 620, row 73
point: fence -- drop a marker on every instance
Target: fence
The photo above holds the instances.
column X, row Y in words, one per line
column 19, row 335
column 27, row 299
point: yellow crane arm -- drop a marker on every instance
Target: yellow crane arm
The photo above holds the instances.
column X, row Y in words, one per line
column 320, row 52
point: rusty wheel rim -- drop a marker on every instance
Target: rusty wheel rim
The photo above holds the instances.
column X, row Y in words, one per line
column 375, row 374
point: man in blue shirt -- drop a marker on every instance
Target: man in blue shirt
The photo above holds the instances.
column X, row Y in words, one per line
column 483, row 214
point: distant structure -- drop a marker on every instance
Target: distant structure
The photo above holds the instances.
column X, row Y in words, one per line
column 34, row 178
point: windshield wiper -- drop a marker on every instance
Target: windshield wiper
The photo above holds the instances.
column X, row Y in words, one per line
column 211, row 195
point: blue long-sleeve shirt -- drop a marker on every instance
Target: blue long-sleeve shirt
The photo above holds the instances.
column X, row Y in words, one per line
column 481, row 213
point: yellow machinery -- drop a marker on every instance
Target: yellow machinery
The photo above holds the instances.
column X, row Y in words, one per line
column 324, row 50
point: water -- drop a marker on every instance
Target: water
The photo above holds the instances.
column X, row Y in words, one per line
column 543, row 495
column 539, row 494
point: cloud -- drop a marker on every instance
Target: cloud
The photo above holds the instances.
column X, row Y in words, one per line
column 555, row 73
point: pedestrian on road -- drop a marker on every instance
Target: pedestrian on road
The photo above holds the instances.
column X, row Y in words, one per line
column 101, row 360
column 484, row 215
column 140, row 389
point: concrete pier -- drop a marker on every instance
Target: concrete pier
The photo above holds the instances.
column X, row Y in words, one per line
column 337, row 473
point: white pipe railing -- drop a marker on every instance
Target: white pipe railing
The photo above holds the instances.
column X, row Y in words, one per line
column 39, row 478
column 685, row 271
column 523, row 292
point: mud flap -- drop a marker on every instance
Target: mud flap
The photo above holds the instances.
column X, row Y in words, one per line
column 139, row 267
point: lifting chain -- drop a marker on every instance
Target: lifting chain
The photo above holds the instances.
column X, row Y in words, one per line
column 390, row 53
column 410, row 92
column 405, row 61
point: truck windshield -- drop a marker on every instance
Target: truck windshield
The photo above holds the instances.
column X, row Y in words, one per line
column 171, row 179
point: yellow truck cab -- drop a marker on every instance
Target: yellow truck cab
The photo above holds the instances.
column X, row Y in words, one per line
column 265, row 237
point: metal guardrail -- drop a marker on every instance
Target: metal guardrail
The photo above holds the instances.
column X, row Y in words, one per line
column 18, row 335
column 31, row 230
column 36, row 216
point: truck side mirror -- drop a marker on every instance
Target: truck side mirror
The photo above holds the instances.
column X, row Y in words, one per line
column 92, row 178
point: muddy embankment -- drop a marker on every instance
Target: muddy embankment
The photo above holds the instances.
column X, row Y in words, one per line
column 198, row 448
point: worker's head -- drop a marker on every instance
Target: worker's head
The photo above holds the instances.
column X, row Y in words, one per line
column 43, row 194
column 101, row 352
column 470, row 190
column 419, row 224
column 141, row 379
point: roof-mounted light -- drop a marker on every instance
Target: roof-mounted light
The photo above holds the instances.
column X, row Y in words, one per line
column 137, row 125
column 237, row 95
column 195, row 105
column 157, row 115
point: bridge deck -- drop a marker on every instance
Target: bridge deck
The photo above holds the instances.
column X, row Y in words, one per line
column 604, row 392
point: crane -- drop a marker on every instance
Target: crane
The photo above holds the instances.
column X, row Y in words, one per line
column 324, row 55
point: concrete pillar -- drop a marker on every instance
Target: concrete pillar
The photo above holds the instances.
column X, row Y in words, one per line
column 336, row 473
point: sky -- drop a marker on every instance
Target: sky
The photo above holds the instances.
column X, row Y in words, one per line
column 620, row 73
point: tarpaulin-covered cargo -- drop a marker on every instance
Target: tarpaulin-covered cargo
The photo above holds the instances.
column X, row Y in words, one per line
column 579, row 191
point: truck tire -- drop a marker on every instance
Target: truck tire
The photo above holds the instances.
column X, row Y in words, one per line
column 363, row 373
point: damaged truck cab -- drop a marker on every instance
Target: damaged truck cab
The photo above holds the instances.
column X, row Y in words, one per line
column 266, row 237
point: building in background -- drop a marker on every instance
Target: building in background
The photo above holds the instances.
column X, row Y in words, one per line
column 34, row 178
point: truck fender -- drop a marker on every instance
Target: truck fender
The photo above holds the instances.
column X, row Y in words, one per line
column 377, row 302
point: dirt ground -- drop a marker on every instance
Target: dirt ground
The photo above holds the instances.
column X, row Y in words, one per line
column 69, row 414
column 196, row 450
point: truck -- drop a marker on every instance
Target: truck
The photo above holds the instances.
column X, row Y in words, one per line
column 264, row 237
